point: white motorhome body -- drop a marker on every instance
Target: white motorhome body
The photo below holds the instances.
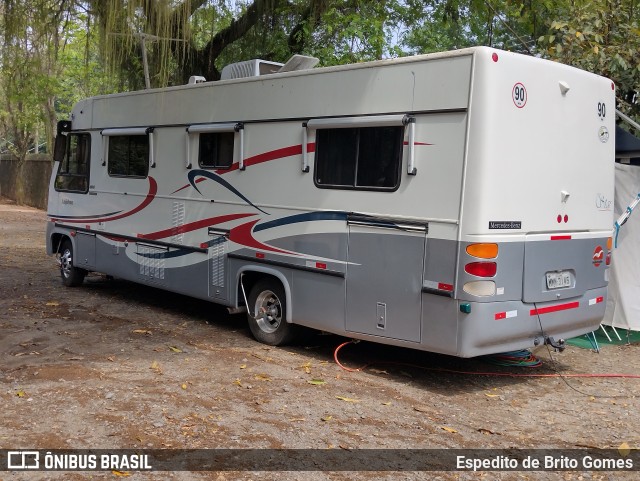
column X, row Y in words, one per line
column 459, row 202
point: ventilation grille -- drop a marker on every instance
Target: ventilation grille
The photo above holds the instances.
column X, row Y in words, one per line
column 177, row 219
column 151, row 261
column 216, row 253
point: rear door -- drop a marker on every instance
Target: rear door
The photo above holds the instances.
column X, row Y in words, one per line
column 564, row 265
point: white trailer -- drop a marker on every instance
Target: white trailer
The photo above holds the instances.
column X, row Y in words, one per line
column 459, row 202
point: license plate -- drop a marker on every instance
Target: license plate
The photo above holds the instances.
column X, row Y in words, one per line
column 558, row 280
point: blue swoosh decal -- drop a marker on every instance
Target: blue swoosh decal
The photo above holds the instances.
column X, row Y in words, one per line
column 216, row 178
column 82, row 217
column 294, row 219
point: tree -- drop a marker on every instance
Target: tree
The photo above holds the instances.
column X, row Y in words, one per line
column 28, row 56
column 601, row 37
column 198, row 37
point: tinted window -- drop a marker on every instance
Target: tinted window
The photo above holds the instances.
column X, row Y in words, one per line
column 216, row 150
column 129, row 155
column 73, row 172
column 359, row 158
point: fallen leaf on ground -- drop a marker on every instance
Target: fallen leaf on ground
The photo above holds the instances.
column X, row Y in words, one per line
column 53, row 303
column 316, row 382
column 447, row 429
column 121, row 474
column 307, row 367
column 348, row 399
column 237, row 382
column 421, row 409
column 184, row 385
column 624, row 449
column 387, row 403
column 243, row 366
column 378, row 371
column 142, row 331
column 21, row 393
column 327, row 418
column 262, row 377
column 485, row 431
column 175, row 349
column 491, row 395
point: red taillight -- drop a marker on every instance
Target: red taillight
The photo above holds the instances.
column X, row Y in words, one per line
column 608, row 259
column 481, row 269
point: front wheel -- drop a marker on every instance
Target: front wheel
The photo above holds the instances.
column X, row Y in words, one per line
column 267, row 314
column 71, row 275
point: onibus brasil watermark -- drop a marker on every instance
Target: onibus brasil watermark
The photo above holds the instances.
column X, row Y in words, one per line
column 320, row 460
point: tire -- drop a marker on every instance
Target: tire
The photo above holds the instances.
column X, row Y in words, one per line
column 267, row 314
column 71, row 275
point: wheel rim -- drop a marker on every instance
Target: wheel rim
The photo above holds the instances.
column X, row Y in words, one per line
column 66, row 263
column 268, row 311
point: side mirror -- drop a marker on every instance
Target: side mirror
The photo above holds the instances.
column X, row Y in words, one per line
column 63, row 126
column 60, row 149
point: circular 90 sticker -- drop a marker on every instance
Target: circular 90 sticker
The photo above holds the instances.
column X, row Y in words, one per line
column 519, row 95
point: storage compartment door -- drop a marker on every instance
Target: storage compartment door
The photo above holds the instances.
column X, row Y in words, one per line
column 85, row 256
column 384, row 280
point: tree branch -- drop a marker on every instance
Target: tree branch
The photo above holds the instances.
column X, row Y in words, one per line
column 206, row 57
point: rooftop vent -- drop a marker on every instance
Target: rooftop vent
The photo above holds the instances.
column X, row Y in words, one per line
column 196, row 79
column 256, row 67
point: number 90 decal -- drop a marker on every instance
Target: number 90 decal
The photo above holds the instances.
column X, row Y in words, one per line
column 519, row 95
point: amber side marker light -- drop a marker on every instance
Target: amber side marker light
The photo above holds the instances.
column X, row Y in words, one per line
column 483, row 251
column 609, row 243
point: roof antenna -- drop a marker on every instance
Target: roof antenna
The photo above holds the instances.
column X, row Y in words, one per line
column 145, row 63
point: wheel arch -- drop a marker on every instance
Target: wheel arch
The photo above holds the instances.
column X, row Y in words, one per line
column 249, row 275
column 56, row 239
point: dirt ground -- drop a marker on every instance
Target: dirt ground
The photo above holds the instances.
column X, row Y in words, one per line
column 113, row 364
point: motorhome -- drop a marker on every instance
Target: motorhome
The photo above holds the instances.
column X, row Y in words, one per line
column 457, row 202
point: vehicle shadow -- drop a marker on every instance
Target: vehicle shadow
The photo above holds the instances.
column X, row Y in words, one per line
column 438, row 373
column 444, row 374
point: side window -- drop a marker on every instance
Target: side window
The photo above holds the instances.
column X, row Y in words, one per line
column 128, row 155
column 73, row 172
column 367, row 158
column 216, row 150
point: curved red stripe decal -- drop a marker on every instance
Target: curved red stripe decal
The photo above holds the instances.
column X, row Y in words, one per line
column 271, row 155
column 193, row 226
column 243, row 235
column 260, row 158
column 153, row 190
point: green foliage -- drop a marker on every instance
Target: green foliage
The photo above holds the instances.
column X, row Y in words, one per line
column 350, row 32
column 603, row 37
column 27, row 78
column 54, row 52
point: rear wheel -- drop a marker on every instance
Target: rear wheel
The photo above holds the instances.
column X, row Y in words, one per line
column 71, row 275
column 267, row 314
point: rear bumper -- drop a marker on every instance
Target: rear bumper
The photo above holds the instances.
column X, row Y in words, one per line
column 506, row 326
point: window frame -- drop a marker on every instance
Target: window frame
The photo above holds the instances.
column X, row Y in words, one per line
column 359, row 124
column 227, row 127
column 216, row 165
column 129, row 133
column 65, row 160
